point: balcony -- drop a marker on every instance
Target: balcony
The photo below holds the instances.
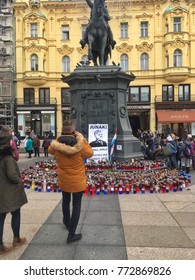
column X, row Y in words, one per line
column 35, row 102
column 35, row 41
column 35, row 78
column 170, row 37
column 176, row 74
column 174, row 105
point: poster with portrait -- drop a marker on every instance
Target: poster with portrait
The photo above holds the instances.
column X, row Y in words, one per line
column 98, row 140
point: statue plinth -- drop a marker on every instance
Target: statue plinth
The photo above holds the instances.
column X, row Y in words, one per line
column 98, row 96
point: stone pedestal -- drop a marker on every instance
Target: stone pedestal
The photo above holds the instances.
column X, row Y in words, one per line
column 98, row 96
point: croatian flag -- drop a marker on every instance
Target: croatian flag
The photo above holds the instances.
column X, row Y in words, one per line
column 112, row 145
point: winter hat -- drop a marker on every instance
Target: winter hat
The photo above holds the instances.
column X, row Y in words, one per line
column 4, row 141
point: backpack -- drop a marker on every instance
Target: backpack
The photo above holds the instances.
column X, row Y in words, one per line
column 166, row 151
column 187, row 151
column 172, row 148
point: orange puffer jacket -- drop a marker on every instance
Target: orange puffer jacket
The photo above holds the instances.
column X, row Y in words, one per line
column 70, row 160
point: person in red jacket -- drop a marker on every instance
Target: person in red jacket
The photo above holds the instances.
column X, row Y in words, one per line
column 70, row 150
column 45, row 145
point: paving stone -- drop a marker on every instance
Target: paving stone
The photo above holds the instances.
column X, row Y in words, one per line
column 100, row 253
column 185, row 219
column 102, row 235
column 148, row 219
column 45, row 252
column 102, row 218
column 148, row 253
column 153, row 236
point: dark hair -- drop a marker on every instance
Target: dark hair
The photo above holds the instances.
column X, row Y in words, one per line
column 68, row 127
column 5, row 138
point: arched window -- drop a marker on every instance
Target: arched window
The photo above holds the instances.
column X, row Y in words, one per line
column 177, row 58
column 124, row 62
column 66, row 64
column 34, row 62
column 144, row 61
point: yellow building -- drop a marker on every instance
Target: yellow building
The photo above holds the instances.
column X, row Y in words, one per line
column 154, row 41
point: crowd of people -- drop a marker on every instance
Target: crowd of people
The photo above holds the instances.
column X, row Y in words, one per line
column 178, row 152
column 32, row 145
column 70, row 149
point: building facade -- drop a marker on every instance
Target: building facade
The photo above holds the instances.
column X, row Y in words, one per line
column 154, row 40
column 7, row 91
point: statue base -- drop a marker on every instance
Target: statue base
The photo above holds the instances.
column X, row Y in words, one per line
column 98, row 96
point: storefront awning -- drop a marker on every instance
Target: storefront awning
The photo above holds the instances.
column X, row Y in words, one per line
column 176, row 116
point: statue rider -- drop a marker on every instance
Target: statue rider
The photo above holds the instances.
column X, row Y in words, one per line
column 84, row 41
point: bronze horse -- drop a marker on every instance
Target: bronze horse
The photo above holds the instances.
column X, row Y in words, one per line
column 98, row 43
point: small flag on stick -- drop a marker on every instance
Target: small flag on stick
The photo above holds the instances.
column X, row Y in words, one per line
column 112, row 145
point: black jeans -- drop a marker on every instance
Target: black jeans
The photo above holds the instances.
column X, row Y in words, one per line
column 71, row 221
column 46, row 152
column 15, row 224
column 36, row 151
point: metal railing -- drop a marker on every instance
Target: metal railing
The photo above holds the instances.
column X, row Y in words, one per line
column 36, row 101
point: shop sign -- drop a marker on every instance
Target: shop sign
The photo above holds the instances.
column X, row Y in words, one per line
column 182, row 117
column 137, row 107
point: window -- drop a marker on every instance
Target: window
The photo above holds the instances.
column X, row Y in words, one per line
column 29, row 96
column 65, row 32
column 66, row 64
column 167, row 93
column 134, row 94
column 144, row 29
column 47, row 121
column 33, row 30
column 34, row 62
column 124, row 30
column 166, row 28
column 177, row 24
column 144, row 61
column 177, row 58
column 84, row 26
column 184, row 92
column 139, row 94
column 124, row 62
column 44, row 96
column 65, row 95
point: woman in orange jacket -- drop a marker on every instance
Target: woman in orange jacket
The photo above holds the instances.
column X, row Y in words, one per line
column 69, row 150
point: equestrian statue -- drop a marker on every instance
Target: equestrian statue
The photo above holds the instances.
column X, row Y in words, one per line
column 98, row 34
